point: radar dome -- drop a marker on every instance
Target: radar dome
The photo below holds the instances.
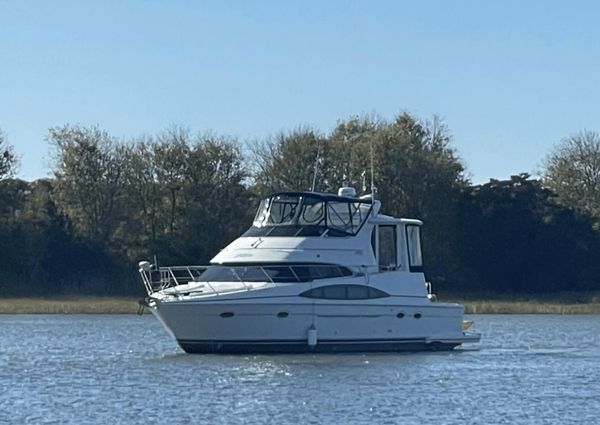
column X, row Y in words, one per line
column 348, row 192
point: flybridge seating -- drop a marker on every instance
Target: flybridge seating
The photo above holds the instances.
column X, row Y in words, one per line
column 310, row 214
column 241, row 277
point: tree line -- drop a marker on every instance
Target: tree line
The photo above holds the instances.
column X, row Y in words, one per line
column 184, row 196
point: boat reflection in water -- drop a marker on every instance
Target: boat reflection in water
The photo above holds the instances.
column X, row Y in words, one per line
column 316, row 272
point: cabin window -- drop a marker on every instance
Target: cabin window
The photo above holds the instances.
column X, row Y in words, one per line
column 275, row 273
column 344, row 292
column 306, row 273
column 313, row 212
column 262, row 215
column 280, row 274
column 283, row 210
column 247, row 274
column 388, row 255
column 347, row 216
column 413, row 240
column 306, row 214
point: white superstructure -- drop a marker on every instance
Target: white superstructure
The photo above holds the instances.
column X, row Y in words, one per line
column 316, row 272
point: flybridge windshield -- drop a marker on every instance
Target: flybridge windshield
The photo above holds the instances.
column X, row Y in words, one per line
column 300, row 214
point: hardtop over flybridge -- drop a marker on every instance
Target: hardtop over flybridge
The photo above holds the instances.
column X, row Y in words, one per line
column 316, row 272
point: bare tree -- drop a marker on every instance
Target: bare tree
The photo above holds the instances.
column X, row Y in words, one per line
column 572, row 171
column 8, row 158
column 289, row 161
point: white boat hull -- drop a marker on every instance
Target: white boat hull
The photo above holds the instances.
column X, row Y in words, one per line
column 291, row 325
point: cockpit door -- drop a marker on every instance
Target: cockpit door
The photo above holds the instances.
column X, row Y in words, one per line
column 387, row 247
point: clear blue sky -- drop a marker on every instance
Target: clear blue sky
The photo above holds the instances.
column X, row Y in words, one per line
column 510, row 78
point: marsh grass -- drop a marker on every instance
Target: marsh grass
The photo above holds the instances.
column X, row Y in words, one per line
column 562, row 303
column 528, row 307
column 69, row 305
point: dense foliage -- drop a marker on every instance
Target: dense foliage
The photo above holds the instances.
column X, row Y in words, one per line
column 182, row 197
column 514, row 237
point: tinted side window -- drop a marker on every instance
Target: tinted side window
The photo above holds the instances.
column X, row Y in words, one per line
column 413, row 241
column 344, row 292
column 274, row 273
column 280, row 274
column 335, row 292
column 308, row 272
column 387, row 248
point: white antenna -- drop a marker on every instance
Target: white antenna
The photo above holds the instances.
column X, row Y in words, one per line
column 363, row 175
column 372, row 173
column 312, row 188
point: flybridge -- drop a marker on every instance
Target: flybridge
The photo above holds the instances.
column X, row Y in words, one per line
column 310, row 214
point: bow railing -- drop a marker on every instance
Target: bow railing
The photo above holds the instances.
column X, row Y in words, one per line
column 160, row 278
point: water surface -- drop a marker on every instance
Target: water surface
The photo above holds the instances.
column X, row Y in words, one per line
column 109, row 369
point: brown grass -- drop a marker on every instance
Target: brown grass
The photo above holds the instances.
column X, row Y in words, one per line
column 70, row 305
column 529, row 307
column 506, row 303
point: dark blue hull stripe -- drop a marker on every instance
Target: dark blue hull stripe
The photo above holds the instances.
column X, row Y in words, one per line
column 301, row 346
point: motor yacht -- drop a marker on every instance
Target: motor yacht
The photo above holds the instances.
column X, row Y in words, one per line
column 316, row 272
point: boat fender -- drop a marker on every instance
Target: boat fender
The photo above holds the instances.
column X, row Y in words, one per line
column 312, row 336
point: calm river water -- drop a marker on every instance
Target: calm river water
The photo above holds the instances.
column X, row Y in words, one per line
column 126, row 370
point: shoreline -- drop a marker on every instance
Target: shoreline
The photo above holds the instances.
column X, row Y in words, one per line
column 528, row 307
column 70, row 305
column 129, row 305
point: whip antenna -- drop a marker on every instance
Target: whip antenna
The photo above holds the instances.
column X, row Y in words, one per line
column 314, row 181
column 372, row 173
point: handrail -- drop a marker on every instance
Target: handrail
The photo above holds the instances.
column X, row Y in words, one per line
column 172, row 276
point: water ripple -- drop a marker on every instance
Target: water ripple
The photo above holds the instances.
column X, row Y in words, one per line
column 125, row 369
